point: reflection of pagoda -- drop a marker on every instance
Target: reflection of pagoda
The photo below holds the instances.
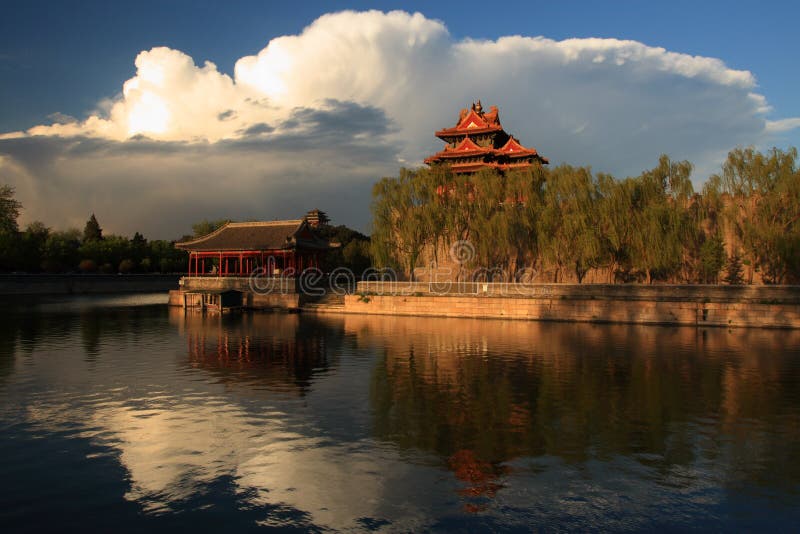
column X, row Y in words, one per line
column 281, row 353
column 478, row 141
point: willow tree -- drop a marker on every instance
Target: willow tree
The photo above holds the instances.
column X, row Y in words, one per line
column 514, row 241
column 568, row 229
column 525, row 188
column 434, row 183
column 617, row 224
column 489, row 230
column 704, row 222
column 661, row 197
column 765, row 208
column 401, row 219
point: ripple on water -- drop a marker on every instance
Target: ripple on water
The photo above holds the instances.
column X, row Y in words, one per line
column 398, row 423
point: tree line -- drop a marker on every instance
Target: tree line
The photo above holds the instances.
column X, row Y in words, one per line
column 39, row 249
column 571, row 224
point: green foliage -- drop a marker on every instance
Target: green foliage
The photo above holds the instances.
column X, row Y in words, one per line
column 568, row 221
column 92, row 230
column 61, row 251
column 38, row 249
column 402, row 212
column 712, row 259
column 353, row 252
column 126, row 266
column 568, row 229
column 138, row 246
column 733, row 271
column 658, row 202
column 9, row 210
column 31, row 244
column 9, row 238
column 765, row 209
column 617, row 226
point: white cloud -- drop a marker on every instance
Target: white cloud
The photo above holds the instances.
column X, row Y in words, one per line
column 612, row 104
column 783, row 125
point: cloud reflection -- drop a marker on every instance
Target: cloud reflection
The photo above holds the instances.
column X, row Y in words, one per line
column 407, row 423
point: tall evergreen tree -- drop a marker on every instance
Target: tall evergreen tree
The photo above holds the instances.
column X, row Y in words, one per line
column 92, row 230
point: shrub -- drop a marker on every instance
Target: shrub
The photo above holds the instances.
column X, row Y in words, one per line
column 87, row 266
column 126, row 266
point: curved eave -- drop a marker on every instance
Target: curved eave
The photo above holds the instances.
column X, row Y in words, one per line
column 458, row 132
column 462, row 154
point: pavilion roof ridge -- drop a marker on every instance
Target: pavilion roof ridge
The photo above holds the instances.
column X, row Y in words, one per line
column 286, row 222
column 293, row 223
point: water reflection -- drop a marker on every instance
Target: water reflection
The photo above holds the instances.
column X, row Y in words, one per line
column 480, row 394
column 277, row 352
column 358, row 422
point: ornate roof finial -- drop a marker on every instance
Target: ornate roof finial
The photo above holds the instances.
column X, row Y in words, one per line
column 478, row 107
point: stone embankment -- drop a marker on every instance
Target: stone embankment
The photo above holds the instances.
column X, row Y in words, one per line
column 724, row 306
column 257, row 294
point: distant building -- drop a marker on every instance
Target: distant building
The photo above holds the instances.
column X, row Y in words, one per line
column 239, row 248
column 478, row 141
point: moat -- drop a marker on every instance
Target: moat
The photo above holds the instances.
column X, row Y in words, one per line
column 121, row 413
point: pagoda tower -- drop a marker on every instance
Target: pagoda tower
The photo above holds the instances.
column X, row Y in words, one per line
column 478, row 141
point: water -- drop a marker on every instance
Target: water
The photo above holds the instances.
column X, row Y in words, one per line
column 119, row 414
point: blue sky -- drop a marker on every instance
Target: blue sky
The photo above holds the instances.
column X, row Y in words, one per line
column 69, row 57
column 64, row 56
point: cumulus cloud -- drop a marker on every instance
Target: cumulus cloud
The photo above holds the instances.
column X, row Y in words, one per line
column 313, row 119
column 327, row 157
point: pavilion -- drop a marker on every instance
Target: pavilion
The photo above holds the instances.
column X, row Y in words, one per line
column 239, row 248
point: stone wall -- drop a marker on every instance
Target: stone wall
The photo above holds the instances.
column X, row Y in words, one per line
column 69, row 284
column 732, row 306
column 270, row 301
column 695, row 293
column 238, row 283
column 263, row 294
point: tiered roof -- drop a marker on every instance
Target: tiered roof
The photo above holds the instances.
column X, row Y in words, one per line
column 473, row 122
column 478, row 141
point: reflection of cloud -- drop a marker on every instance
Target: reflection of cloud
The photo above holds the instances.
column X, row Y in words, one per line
column 173, row 452
column 335, row 485
column 383, row 69
column 587, row 424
